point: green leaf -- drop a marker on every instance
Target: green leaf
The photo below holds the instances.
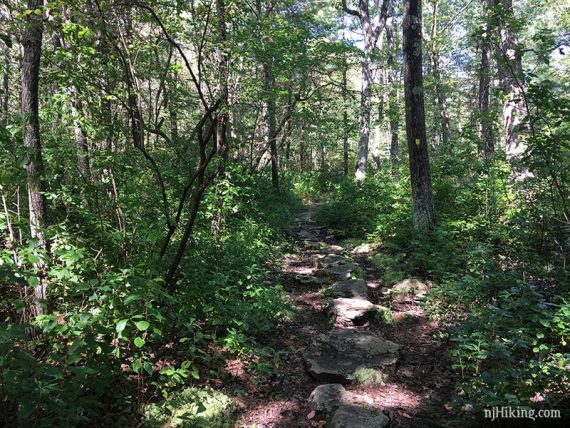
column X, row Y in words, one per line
column 121, row 325
column 32, row 258
column 142, row 325
column 34, row 281
column 195, row 374
column 139, row 342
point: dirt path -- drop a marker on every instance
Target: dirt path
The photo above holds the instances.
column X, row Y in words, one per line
column 334, row 321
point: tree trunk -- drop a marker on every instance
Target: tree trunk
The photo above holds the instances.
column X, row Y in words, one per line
column 422, row 199
column 345, row 146
column 32, row 46
column 509, row 61
column 271, row 125
column 6, row 86
column 223, row 63
column 364, row 129
column 486, row 140
column 371, row 35
column 393, row 113
column 80, row 139
column 441, row 102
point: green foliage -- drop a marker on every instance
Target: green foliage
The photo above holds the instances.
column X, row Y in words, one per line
column 193, row 408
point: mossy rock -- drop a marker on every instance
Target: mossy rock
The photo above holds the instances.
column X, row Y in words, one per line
column 192, row 408
column 369, row 376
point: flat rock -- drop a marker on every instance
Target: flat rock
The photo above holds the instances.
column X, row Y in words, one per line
column 328, row 397
column 352, row 311
column 361, row 249
column 334, row 248
column 336, row 265
column 351, row 416
column 308, row 279
column 350, row 288
column 335, row 357
column 307, row 235
column 408, row 290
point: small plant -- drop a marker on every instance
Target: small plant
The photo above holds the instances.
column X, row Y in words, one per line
column 383, row 315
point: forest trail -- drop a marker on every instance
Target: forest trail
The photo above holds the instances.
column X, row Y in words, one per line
column 357, row 354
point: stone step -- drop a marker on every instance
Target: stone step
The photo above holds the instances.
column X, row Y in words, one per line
column 339, row 356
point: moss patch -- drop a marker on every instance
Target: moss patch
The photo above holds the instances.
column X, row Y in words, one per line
column 367, row 376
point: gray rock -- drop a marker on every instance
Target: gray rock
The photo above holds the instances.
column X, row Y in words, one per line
column 327, row 398
column 307, row 235
column 350, row 288
column 361, row 249
column 408, row 290
column 350, row 416
column 355, row 311
column 335, row 357
column 308, row 279
column 336, row 265
column 334, row 248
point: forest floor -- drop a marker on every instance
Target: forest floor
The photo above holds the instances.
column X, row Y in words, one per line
column 416, row 388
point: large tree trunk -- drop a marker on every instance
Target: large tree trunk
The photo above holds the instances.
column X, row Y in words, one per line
column 393, row 113
column 423, row 211
column 509, row 61
column 345, row 145
column 364, row 129
column 371, row 35
column 6, row 86
column 32, row 47
column 223, row 63
column 486, row 141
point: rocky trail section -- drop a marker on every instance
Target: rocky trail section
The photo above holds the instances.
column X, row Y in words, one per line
column 361, row 355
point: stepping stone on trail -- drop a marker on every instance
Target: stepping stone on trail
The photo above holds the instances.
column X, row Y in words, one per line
column 408, row 290
column 337, row 356
column 336, row 265
column 354, row 311
column 350, row 416
column 350, row 288
column 327, row 398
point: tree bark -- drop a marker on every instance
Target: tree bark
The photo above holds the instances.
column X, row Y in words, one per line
column 393, row 112
column 509, row 61
column 30, row 72
column 486, row 141
column 422, row 199
column 271, row 124
column 371, row 35
column 345, row 145
column 6, row 86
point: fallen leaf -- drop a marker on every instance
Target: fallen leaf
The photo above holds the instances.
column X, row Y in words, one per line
column 311, row 415
column 405, row 415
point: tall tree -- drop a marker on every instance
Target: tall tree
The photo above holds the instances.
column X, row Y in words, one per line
column 422, row 199
column 393, row 111
column 434, row 57
column 486, row 140
column 30, row 72
column 371, row 35
column 509, row 61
